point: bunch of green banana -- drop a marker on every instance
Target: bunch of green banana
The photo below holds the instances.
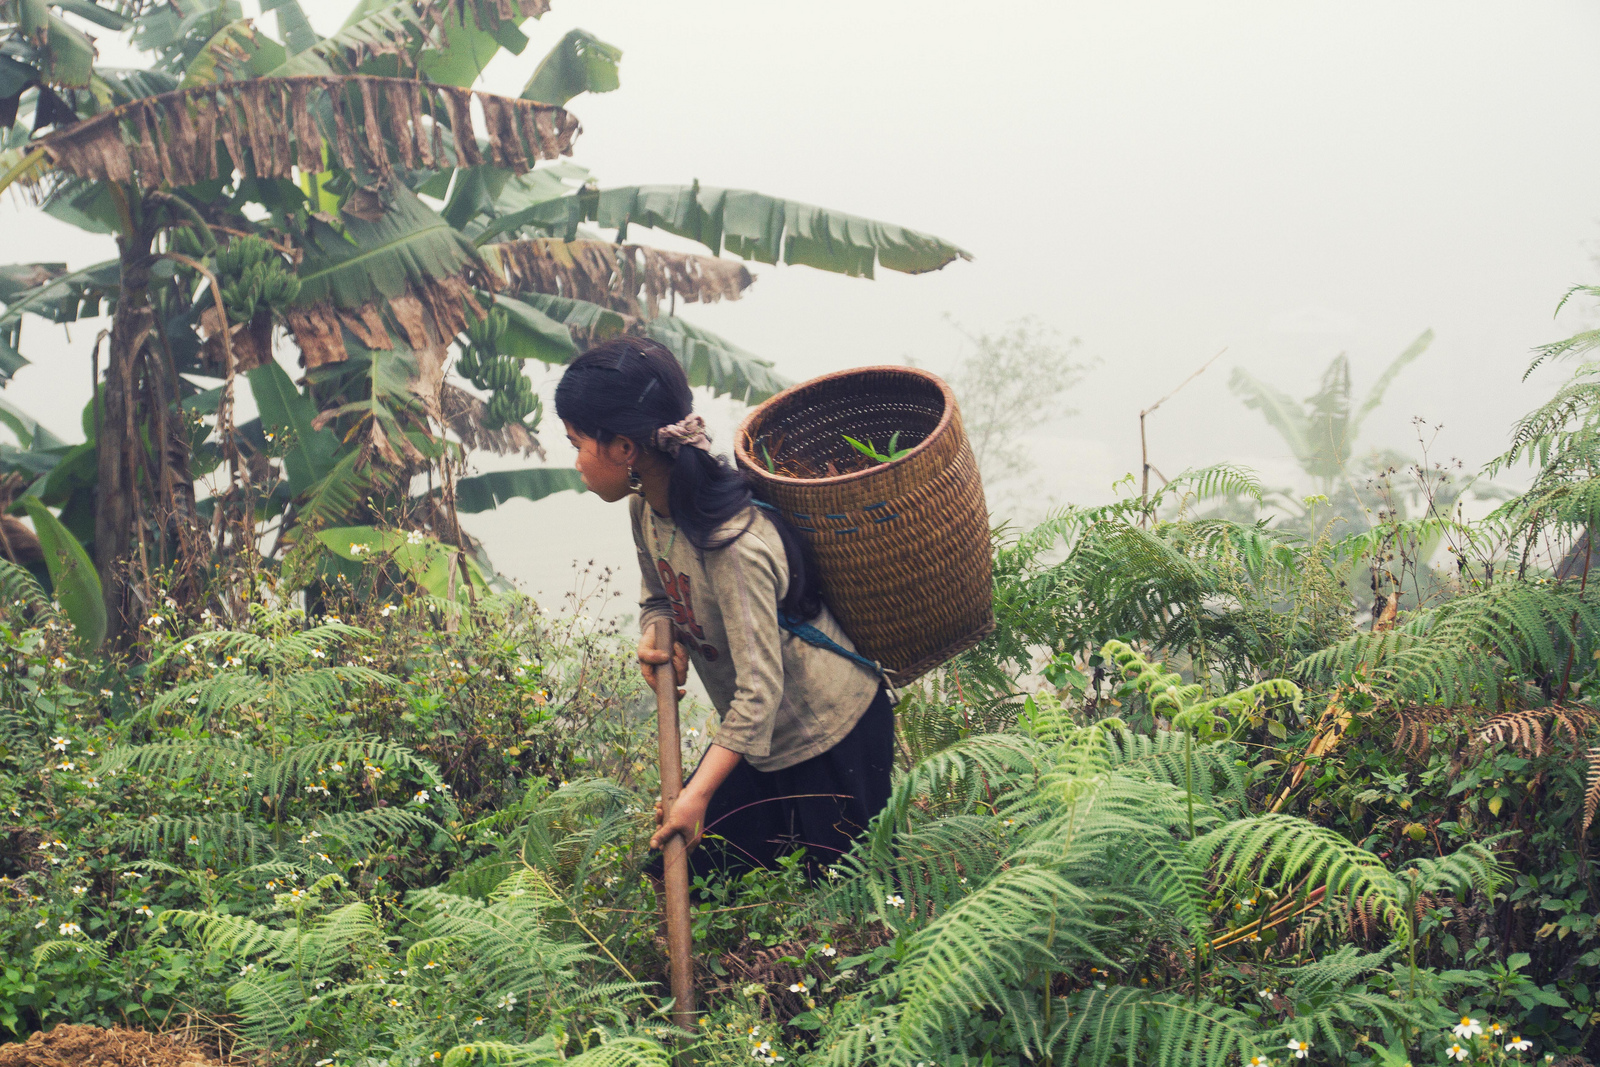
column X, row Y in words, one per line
column 253, row 277
column 481, row 363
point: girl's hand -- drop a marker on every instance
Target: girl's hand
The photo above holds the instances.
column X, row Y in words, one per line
column 650, row 656
column 687, row 818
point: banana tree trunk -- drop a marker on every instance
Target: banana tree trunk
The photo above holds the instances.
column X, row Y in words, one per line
column 117, row 436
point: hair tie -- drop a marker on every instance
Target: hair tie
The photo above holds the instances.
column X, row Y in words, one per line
column 691, row 431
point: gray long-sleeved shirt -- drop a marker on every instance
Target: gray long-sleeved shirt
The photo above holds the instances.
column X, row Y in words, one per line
column 781, row 700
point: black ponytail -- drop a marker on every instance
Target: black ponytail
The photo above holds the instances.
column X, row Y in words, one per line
column 631, row 387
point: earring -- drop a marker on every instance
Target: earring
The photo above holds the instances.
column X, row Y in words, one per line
column 635, row 484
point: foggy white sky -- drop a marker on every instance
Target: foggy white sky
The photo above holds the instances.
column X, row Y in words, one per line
column 1160, row 179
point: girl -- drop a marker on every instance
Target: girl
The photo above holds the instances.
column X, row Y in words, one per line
column 803, row 753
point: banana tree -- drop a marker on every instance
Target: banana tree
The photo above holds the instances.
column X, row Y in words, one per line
column 1322, row 432
column 354, row 200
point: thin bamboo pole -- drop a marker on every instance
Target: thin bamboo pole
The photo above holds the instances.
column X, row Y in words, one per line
column 675, row 858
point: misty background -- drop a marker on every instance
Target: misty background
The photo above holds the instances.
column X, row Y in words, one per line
column 1160, row 181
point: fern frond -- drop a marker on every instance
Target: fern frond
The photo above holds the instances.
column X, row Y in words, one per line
column 1330, row 1004
column 1591, row 795
column 1284, row 851
column 66, row 948
column 1470, row 867
column 533, row 1054
column 20, row 589
column 226, row 832
column 967, row 957
column 1152, row 1029
column 1222, row 479
column 1214, row 771
column 228, row 935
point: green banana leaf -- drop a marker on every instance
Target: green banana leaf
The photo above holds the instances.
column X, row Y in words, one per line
column 293, row 26
column 507, row 209
column 234, row 52
column 708, row 360
column 381, row 28
column 531, row 334
column 754, row 226
column 30, row 433
column 422, row 559
column 77, row 586
column 579, row 63
column 371, row 259
column 485, row 492
column 1282, row 412
column 1381, row 386
column 100, row 16
column 65, row 298
column 19, row 278
column 289, row 414
column 714, row 361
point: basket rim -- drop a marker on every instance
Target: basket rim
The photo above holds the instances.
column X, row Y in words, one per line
column 945, row 418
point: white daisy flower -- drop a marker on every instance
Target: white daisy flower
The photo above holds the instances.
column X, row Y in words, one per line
column 60, row 743
column 1468, row 1027
column 69, row 929
column 895, row 900
column 1456, row 1052
column 1301, row 1049
column 508, row 1001
column 414, row 537
column 144, row 909
column 1519, row 1044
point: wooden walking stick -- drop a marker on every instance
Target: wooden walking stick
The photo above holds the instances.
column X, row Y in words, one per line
column 675, row 857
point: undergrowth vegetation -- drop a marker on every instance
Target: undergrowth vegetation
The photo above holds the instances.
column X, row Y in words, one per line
column 1217, row 791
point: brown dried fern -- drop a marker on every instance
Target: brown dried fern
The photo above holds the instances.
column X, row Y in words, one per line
column 1413, row 728
column 1591, row 796
column 1519, row 729
column 1534, row 730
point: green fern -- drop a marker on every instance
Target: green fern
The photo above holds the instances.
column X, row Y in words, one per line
column 1007, row 866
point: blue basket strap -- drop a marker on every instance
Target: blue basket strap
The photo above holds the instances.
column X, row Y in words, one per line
column 813, row 636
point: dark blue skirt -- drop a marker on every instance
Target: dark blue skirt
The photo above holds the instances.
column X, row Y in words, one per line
column 821, row 804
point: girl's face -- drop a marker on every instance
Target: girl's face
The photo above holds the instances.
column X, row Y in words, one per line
column 603, row 467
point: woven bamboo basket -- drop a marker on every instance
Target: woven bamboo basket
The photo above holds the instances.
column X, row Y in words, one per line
column 903, row 547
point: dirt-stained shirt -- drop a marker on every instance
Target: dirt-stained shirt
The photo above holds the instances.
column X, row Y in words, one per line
column 781, row 700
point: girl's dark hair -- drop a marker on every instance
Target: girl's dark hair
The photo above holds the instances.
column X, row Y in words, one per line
column 631, row 387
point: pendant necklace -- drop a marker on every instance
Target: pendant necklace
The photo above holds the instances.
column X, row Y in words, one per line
column 655, row 539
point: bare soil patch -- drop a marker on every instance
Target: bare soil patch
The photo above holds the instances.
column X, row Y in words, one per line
column 92, row 1046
